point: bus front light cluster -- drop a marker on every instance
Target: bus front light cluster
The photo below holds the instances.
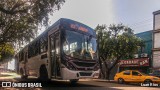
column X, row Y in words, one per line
column 96, row 67
column 77, row 75
column 96, row 75
column 70, row 66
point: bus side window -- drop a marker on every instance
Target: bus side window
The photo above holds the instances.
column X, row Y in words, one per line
column 18, row 56
column 43, row 44
column 57, row 47
column 36, row 47
column 29, row 51
column 21, row 57
column 33, row 49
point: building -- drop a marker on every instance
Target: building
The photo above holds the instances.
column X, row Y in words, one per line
column 156, row 40
column 8, row 65
column 143, row 58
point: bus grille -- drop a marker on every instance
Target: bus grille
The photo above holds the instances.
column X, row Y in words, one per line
column 84, row 69
column 85, row 73
column 84, row 64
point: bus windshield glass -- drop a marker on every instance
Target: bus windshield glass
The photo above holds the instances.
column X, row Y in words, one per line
column 80, row 46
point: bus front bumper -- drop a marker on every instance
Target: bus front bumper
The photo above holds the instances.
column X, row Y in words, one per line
column 70, row 74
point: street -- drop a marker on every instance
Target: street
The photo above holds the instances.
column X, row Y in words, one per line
column 83, row 84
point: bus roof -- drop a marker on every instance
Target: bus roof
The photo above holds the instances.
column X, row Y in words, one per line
column 71, row 24
column 66, row 24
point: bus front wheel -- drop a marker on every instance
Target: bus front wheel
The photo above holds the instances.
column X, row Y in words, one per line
column 22, row 74
column 43, row 74
column 74, row 81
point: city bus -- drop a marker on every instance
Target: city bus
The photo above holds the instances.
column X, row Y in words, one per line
column 67, row 50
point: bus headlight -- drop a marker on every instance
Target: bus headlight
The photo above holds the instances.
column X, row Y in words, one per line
column 96, row 67
column 96, row 75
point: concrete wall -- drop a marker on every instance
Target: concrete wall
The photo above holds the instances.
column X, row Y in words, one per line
column 156, row 59
column 157, row 21
column 156, row 40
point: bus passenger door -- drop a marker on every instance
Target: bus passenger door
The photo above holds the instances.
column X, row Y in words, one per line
column 54, row 54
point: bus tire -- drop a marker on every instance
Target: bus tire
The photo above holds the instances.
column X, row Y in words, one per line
column 22, row 74
column 43, row 74
column 24, row 77
column 74, row 81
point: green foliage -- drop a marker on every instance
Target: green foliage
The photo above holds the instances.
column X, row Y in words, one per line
column 19, row 19
column 128, row 45
column 104, row 41
column 116, row 42
column 6, row 51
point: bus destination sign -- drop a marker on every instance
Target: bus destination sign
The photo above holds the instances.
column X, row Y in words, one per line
column 75, row 26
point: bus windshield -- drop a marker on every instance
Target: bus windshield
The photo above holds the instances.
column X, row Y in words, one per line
column 80, row 46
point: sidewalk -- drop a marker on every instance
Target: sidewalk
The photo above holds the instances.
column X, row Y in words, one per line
column 8, row 75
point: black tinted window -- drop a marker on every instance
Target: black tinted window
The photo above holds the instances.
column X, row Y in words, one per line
column 135, row 73
column 126, row 73
column 43, row 44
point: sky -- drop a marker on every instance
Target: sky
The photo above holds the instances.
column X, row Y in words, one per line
column 136, row 14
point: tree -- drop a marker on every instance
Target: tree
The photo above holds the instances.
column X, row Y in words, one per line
column 19, row 19
column 116, row 42
column 6, row 51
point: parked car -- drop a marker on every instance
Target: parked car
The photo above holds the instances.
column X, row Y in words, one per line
column 155, row 73
column 134, row 76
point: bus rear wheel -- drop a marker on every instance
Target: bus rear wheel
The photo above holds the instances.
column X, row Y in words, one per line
column 74, row 81
column 22, row 74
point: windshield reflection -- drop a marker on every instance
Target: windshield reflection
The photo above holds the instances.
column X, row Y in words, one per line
column 80, row 46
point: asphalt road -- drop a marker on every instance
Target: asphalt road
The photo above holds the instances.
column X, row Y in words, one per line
column 83, row 84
